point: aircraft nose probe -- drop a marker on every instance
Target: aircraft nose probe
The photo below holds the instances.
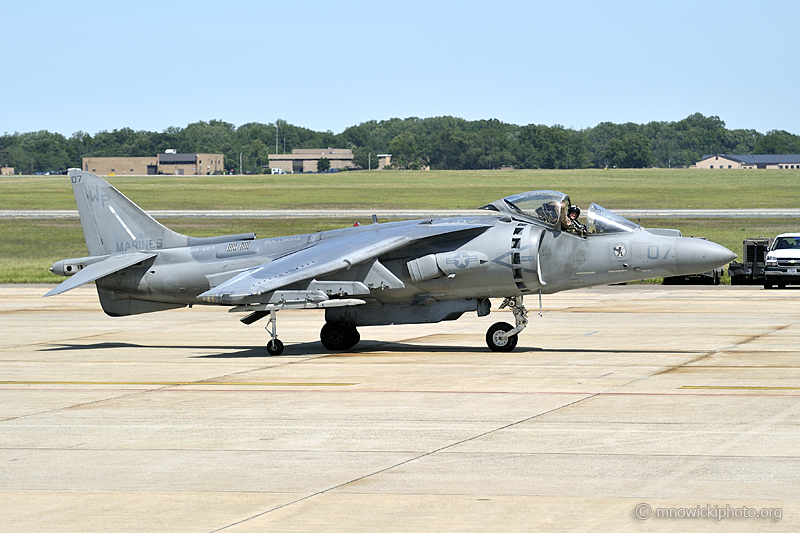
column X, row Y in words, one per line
column 693, row 256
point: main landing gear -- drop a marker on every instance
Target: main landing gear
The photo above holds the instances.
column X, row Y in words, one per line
column 335, row 337
column 338, row 337
column 274, row 346
column 502, row 337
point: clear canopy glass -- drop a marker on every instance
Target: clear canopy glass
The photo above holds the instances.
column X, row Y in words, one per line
column 545, row 206
column 550, row 208
column 601, row 220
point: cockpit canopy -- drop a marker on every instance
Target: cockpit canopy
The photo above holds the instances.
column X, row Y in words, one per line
column 550, row 209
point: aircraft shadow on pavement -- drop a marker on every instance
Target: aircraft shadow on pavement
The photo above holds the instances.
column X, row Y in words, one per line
column 369, row 347
column 304, row 349
column 316, row 349
column 97, row 346
column 242, row 351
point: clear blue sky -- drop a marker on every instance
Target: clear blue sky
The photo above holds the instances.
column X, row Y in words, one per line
column 147, row 65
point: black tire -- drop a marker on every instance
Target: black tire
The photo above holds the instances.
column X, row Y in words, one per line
column 275, row 347
column 493, row 341
column 336, row 338
column 768, row 285
column 355, row 337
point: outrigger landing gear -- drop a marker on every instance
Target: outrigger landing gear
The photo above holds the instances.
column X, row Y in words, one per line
column 338, row 337
column 274, row 346
column 501, row 337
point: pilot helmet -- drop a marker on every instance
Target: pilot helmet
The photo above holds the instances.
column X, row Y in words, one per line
column 574, row 210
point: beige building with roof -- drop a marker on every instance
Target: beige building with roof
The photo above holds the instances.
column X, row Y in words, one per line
column 166, row 163
column 749, row 162
column 305, row 159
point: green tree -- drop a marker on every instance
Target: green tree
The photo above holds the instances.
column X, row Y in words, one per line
column 258, row 150
column 323, row 164
column 404, row 151
column 632, row 151
column 778, row 142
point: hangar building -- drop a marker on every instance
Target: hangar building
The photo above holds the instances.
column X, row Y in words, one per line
column 305, row 159
column 169, row 162
column 770, row 162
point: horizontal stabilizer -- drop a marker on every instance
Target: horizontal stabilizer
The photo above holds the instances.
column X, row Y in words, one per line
column 101, row 269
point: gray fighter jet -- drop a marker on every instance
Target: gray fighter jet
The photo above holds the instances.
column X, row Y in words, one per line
column 409, row 272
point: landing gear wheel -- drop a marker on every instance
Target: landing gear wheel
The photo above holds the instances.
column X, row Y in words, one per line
column 355, row 337
column 768, row 286
column 495, row 340
column 275, row 347
column 337, row 338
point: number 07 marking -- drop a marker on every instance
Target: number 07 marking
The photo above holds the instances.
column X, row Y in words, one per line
column 654, row 251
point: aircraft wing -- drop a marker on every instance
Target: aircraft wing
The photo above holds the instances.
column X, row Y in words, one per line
column 101, row 269
column 327, row 256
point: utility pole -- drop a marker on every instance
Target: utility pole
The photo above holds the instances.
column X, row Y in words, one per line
column 240, row 163
column 369, row 161
column 276, row 136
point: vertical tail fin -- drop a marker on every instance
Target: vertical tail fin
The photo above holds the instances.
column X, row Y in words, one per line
column 112, row 223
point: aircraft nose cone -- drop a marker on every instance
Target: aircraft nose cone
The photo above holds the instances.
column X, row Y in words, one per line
column 693, row 256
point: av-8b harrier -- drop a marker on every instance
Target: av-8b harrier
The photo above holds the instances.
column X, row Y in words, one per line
column 409, row 272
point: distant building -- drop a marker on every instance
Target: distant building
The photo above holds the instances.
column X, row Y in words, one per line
column 6, row 171
column 748, row 162
column 384, row 160
column 305, row 159
column 199, row 164
column 166, row 163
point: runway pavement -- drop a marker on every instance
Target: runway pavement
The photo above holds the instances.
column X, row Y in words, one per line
column 618, row 400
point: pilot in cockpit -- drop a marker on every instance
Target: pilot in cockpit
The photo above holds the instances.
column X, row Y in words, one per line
column 569, row 218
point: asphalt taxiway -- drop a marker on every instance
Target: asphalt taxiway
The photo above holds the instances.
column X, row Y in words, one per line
column 618, row 400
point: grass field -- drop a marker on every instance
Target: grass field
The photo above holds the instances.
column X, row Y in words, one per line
column 614, row 189
column 28, row 247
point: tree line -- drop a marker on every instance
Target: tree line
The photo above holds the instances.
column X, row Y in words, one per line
column 446, row 143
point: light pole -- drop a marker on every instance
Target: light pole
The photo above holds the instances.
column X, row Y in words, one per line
column 240, row 162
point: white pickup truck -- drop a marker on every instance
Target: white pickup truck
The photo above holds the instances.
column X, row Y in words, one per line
column 782, row 264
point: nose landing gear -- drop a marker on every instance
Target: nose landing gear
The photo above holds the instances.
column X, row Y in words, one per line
column 501, row 337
